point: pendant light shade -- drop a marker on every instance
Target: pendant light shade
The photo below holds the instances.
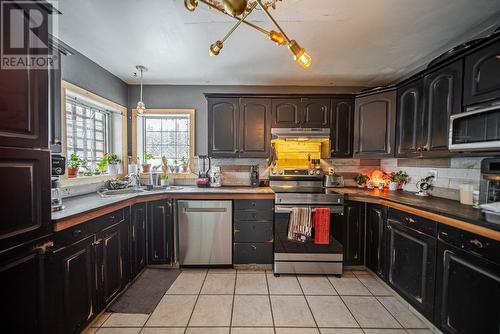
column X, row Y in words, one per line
column 141, row 106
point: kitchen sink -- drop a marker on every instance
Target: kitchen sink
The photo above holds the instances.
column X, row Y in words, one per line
column 130, row 191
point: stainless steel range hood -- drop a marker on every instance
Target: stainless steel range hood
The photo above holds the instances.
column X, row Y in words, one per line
column 283, row 133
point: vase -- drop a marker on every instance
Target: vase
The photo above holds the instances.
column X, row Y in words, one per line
column 393, row 185
column 146, row 168
column 114, row 169
column 72, row 172
column 163, row 182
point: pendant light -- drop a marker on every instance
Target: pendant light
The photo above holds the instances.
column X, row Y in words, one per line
column 141, row 107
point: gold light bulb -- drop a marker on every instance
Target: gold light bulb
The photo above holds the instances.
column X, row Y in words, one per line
column 299, row 54
column 304, row 60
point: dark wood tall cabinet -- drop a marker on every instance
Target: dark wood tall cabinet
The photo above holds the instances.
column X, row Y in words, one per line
column 160, row 232
column 374, row 124
column 350, row 231
column 138, row 232
column 376, row 227
column 342, row 128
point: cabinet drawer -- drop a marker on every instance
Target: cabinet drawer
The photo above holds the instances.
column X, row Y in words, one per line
column 470, row 242
column 248, row 231
column 259, row 252
column 253, row 204
column 417, row 223
column 254, row 215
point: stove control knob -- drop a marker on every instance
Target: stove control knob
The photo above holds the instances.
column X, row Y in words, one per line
column 311, row 172
column 273, row 171
column 318, row 172
column 280, row 172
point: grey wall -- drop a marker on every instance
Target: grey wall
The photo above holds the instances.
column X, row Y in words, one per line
column 83, row 72
column 169, row 96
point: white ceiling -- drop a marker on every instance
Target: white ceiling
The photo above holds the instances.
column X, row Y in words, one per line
column 352, row 42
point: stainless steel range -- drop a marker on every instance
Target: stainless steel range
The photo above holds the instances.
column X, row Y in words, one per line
column 303, row 188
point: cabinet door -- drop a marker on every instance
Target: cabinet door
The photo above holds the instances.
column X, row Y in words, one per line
column 25, row 195
column 409, row 123
column 24, row 108
column 342, row 128
column 76, row 276
column 138, row 238
column 255, row 128
column 315, row 113
column 375, row 234
column 112, row 259
column 443, row 97
column 286, row 113
column 160, row 233
column 412, row 266
column 374, row 124
column 353, row 235
column 23, row 273
column 482, row 75
column 468, row 292
column 223, row 127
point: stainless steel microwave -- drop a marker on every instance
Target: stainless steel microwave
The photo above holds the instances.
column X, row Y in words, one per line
column 476, row 129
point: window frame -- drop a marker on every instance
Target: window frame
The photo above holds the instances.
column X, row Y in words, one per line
column 192, row 135
column 69, row 87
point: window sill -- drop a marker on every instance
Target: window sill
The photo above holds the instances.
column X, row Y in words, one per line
column 83, row 180
column 178, row 175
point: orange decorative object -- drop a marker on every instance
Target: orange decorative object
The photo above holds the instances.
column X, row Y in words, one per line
column 377, row 177
column 321, row 224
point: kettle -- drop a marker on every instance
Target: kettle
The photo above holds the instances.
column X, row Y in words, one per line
column 215, row 177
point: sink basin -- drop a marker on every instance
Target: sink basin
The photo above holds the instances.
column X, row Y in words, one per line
column 118, row 192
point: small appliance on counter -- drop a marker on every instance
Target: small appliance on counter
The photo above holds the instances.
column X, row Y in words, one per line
column 489, row 185
column 58, row 167
column 215, row 177
column 203, row 179
column 254, row 176
column 333, row 180
column 424, row 185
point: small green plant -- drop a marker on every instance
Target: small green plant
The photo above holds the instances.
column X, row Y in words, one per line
column 361, row 179
column 400, row 177
column 102, row 164
column 113, row 159
column 184, row 162
column 164, row 177
column 164, row 161
column 148, row 156
column 74, row 161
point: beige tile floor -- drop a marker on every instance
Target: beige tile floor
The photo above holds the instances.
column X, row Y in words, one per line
column 256, row 302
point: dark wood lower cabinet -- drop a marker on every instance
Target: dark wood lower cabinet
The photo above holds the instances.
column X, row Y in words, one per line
column 349, row 229
column 375, row 238
column 411, row 265
column 74, row 277
column 160, row 232
column 138, row 232
column 24, row 292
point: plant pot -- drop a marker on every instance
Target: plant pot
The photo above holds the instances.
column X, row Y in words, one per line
column 393, row 185
column 163, row 183
column 361, row 185
column 400, row 186
column 114, row 169
column 72, row 171
column 184, row 169
column 177, row 169
column 146, row 168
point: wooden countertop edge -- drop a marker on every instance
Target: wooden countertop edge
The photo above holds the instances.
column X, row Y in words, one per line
column 479, row 230
column 74, row 220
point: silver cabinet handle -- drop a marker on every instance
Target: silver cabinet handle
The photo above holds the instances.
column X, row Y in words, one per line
column 205, row 209
column 476, row 243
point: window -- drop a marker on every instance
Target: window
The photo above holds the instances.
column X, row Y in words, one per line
column 87, row 130
column 167, row 135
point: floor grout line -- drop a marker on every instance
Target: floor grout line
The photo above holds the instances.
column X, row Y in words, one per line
column 307, row 302
column 196, row 302
column 270, row 303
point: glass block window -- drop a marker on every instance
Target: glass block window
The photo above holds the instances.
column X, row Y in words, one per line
column 167, row 135
column 87, row 131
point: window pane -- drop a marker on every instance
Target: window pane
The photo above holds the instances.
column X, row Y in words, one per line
column 168, row 124
column 153, row 124
column 183, row 124
column 153, row 138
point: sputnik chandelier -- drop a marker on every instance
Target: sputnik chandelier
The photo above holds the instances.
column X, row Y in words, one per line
column 240, row 10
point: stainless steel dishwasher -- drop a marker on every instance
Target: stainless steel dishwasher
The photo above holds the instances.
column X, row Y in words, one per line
column 205, row 232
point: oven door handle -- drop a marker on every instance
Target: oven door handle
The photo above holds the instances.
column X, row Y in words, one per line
column 288, row 209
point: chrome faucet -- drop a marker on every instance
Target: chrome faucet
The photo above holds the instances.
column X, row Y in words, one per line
column 134, row 180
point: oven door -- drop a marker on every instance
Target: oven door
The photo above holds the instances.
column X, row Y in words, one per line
column 474, row 130
column 285, row 249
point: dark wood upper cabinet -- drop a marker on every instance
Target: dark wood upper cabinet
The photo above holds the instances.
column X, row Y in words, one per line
column 482, row 75
column 443, row 97
column 255, row 128
column 374, row 125
column 342, row 126
column 160, row 232
column 223, row 122
column 410, row 116
column 315, row 112
column 286, row 113
column 25, row 195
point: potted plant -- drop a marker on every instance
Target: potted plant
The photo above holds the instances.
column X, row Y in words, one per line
column 184, row 165
column 398, row 179
column 361, row 180
column 176, row 166
column 73, row 164
column 146, row 167
column 102, row 165
column 114, row 163
column 164, row 165
column 164, row 180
